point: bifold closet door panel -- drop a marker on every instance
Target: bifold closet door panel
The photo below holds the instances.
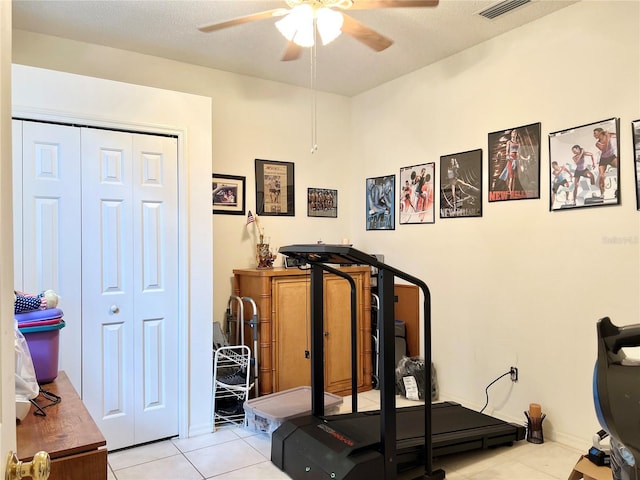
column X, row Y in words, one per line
column 48, row 225
column 130, row 285
column 155, row 277
column 108, row 380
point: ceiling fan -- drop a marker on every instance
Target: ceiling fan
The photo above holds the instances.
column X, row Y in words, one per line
column 303, row 18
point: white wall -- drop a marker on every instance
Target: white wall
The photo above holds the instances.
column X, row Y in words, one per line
column 56, row 96
column 251, row 119
column 521, row 286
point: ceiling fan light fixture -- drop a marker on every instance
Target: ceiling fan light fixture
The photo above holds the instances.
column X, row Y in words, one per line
column 297, row 25
column 329, row 23
column 304, row 35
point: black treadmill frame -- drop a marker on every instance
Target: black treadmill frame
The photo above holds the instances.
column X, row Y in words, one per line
column 318, row 256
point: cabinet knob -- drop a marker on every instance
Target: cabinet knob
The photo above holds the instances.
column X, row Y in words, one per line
column 115, row 309
column 326, row 334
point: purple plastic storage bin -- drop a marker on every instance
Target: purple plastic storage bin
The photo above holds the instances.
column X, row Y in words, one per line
column 44, row 345
column 33, row 315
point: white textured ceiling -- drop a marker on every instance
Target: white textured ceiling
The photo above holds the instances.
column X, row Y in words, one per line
column 170, row 29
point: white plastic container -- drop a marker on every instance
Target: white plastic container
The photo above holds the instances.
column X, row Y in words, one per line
column 265, row 414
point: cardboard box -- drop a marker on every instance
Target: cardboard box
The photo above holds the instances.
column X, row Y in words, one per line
column 587, row 470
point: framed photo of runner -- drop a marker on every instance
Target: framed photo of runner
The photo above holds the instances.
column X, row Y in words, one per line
column 461, row 184
column 416, row 194
column 514, row 163
column 322, row 202
column 380, row 213
column 635, row 125
column 584, row 166
column 274, row 188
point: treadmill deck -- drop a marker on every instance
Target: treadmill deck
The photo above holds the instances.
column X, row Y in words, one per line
column 347, row 436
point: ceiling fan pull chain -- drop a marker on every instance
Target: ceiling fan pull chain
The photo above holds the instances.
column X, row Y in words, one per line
column 314, row 102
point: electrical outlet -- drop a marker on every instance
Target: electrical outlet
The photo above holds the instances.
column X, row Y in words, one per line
column 514, row 374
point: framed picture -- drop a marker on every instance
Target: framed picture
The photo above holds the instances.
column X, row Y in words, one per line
column 416, row 194
column 635, row 125
column 461, row 184
column 228, row 194
column 274, row 188
column 292, row 262
column 380, row 213
column 322, row 202
column 584, row 166
column 514, row 163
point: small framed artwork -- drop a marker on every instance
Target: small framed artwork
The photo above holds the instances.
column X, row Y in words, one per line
column 461, row 184
column 584, row 166
column 635, row 125
column 228, row 194
column 380, row 213
column 415, row 203
column 293, row 262
column 274, row 188
column 514, row 163
column 322, row 202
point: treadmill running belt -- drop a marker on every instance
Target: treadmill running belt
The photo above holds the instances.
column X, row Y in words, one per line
column 454, row 428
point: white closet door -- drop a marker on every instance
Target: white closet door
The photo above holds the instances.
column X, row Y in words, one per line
column 129, row 272
column 107, row 283
column 155, row 274
column 49, row 226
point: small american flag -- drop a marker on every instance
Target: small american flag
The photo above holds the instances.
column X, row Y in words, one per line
column 250, row 218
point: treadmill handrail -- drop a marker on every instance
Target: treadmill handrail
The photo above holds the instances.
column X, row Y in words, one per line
column 319, row 396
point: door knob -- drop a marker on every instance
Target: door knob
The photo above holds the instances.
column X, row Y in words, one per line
column 115, row 309
column 37, row 469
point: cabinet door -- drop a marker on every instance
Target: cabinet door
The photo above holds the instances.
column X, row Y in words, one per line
column 337, row 305
column 292, row 334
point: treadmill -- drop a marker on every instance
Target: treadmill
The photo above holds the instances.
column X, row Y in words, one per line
column 389, row 442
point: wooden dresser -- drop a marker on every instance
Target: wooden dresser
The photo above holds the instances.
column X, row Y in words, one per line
column 67, row 433
column 283, row 300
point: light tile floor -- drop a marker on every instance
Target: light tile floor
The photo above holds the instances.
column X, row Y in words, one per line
column 234, row 453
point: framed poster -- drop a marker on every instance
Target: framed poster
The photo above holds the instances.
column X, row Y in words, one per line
column 322, row 202
column 514, row 163
column 228, row 194
column 274, row 188
column 380, row 213
column 416, row 194
column 635, row 125
column 584, row 166
column 461, row 184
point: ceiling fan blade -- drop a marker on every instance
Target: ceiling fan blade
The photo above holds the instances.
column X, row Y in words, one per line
column 292, row 52
column 370, row 4
column 364, row 34
column 255, row 17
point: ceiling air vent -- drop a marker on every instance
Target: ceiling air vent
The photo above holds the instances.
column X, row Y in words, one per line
column 502, row 8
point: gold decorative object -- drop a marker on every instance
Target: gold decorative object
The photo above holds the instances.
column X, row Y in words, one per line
column 264, row 256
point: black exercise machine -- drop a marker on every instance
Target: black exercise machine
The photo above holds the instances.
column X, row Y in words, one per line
column 379, row 444
column 616, row 385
